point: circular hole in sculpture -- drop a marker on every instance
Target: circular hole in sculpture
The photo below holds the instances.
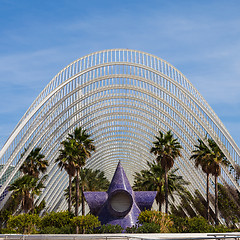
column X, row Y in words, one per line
column 120, row 202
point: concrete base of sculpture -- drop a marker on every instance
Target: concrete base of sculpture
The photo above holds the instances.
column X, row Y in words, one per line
column 120, row 204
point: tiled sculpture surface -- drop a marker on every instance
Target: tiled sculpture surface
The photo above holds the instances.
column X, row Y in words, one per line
column 120, row 204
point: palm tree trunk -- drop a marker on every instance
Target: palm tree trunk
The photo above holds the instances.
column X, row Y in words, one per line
column 77, row 193
column 159, row 207
column 208, row 197
column 83, row 202
column 25, row 209
column 77, row 198
column 23, row 205
column 32, row 204
column 166, row 189
column 70, row 194
column 216, row 200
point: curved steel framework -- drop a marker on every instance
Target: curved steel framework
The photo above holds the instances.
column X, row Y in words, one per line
column 123, row 97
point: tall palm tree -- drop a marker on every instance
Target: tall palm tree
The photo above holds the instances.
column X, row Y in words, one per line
column 200, row 155
column 216, row 158
column 152, row 179
column 210, row 157
column 167, row 149
column 65, row 162
column 82, row 146
column 34, row 163
column 27, row 187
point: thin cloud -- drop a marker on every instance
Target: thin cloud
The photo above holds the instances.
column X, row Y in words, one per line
column 200, row 39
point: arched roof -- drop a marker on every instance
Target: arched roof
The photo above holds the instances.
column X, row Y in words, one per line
column 123, row 98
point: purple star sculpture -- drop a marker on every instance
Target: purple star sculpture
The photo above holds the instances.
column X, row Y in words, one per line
column 120, row 204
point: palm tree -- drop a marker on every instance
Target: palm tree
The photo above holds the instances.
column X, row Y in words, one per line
column 167, row 149
column 200, row 155
column 65, row 162
column 34, row 163
column 152, row 179
column 27, row 187
column 91, row 180
column 97, row 181
column 210, row 159
column 216, row 158
column 82, row 146
column 37, row 190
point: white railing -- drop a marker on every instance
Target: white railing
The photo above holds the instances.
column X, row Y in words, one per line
column 149, row 236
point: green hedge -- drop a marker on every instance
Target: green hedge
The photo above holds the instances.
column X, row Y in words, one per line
column 24, row 223
column 145, row 228
column 163, row 220
column 86, row 223
column 109, row 228
column 148, row 222
column 56, row 219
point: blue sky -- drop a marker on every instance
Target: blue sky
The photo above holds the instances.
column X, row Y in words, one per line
column 39, row 38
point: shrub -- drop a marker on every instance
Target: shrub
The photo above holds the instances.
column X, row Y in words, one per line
column 222, row 229
column 24, row 223
column 144, row 228
column 86, row 223
column 179, row 224
column 109, row 228
column 50, row 230
column 161, row 219
column 198, row 225
column 149, row 228
column 190, row 225
column 6, row 231
column 68, row 229
column 132, row 229
column 56, row 220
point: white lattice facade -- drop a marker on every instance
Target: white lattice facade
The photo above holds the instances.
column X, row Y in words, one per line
column 123, row 98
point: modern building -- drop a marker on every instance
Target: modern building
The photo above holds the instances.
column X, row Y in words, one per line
column 123, row 98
